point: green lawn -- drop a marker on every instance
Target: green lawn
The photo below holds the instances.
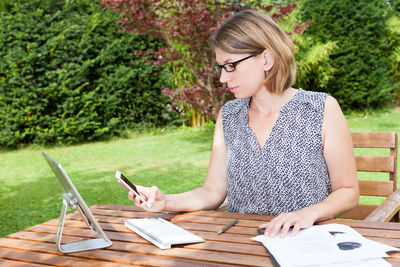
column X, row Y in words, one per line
column 175, row 160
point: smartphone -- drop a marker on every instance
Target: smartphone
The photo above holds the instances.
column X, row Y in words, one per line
column 125, row 181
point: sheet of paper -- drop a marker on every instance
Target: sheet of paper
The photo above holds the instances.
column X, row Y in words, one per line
column 324, row 244
column 378, row 262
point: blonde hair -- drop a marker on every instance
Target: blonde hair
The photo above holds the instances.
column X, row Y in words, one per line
column 252, row 32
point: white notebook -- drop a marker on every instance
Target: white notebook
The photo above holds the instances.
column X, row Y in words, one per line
column 161, row 233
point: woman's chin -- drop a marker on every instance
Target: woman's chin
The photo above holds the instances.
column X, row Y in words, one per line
column 240, row 96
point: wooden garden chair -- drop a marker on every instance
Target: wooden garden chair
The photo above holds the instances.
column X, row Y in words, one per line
column 386, row 187
column 381, row 188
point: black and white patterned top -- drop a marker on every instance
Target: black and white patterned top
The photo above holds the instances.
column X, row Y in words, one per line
column 289, row 173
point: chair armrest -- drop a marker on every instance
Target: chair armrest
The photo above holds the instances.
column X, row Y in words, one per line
column 386, row 211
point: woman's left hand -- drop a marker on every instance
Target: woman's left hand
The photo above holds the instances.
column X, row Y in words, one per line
column 292, row 220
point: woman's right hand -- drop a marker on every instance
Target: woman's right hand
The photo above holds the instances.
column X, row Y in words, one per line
column 154, row 197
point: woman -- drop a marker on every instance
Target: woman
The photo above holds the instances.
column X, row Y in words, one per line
column 276, row 150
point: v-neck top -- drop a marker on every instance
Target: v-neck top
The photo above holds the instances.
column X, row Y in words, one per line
column 289, row 172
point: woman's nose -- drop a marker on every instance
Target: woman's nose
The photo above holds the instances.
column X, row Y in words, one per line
column 224, row 76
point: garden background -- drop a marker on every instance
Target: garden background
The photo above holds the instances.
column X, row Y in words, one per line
column 129, row 85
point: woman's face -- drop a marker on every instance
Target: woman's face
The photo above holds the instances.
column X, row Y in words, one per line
column 248, row 77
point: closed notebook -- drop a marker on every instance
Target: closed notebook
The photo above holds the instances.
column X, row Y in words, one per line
column 161, row 233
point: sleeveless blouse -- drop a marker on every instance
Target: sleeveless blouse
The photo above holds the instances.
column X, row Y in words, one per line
column 289, row 173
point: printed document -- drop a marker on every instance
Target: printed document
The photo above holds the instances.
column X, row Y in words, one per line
column 326, row 245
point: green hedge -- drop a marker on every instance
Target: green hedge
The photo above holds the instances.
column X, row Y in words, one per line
column 393, row 27
column 68, row 75
column 361, row 61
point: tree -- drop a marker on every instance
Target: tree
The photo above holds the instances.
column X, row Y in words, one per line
column 185, row 28
column 393, row 28
column 361, row 59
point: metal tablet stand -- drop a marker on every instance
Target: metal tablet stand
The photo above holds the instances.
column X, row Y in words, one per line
column 88, row 244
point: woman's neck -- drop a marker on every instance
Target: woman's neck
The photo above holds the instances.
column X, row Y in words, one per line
column 266, row 102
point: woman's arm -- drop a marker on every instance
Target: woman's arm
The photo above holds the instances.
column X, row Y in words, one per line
column 209, row 196
column 339, row 157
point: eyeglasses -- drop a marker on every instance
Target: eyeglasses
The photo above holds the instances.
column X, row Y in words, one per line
column 230, row 66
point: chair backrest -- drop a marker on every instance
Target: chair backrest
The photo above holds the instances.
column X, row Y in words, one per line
column 382, row 186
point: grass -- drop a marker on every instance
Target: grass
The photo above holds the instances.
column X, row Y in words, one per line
column 175, row 160
column 29, row 193
column 377, row 121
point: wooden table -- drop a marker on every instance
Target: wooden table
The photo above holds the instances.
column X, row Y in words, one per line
column 36, row 245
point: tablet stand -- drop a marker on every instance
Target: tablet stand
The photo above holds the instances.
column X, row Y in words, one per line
column 88, row 244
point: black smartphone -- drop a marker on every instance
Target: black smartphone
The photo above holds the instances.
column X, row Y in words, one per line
column 131, row 186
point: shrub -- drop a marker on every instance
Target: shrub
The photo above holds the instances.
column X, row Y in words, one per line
column 360, row 60
column 393, row 27
column 68, row 75
column 313, row 67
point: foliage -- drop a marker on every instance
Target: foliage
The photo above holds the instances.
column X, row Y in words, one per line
column 312, row 57
column 360, row 61
column 185, row 27
column 67, row 75
column 393, row 27
column 314, row 70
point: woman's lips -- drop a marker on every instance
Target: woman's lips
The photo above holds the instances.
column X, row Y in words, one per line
column 233, row 89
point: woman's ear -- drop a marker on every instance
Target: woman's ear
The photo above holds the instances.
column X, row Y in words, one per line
column 269, row 60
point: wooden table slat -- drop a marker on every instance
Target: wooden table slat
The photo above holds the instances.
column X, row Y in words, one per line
column 177, row 218
column 116, row 207
column 252, row 248
column 13, row 263
column 131, row 214
column 251, row 231
column 128, row 235
column 51, row 259
column 393, row 262
column 255, row 218
column 366, row 224
column 144, row 250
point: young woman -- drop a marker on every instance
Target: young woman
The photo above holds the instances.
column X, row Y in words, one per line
column 276, row 150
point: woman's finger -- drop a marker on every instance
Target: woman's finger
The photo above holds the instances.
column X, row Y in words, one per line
column 153, row 193
column 286, row 226
column 270, row 225
column 276, row 225
column 295, row 230
column 143, row 191
column 131, row 196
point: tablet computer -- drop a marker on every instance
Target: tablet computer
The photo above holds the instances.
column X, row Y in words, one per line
column 73, row 199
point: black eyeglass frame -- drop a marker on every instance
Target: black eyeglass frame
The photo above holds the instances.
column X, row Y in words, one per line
column 218, row 68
